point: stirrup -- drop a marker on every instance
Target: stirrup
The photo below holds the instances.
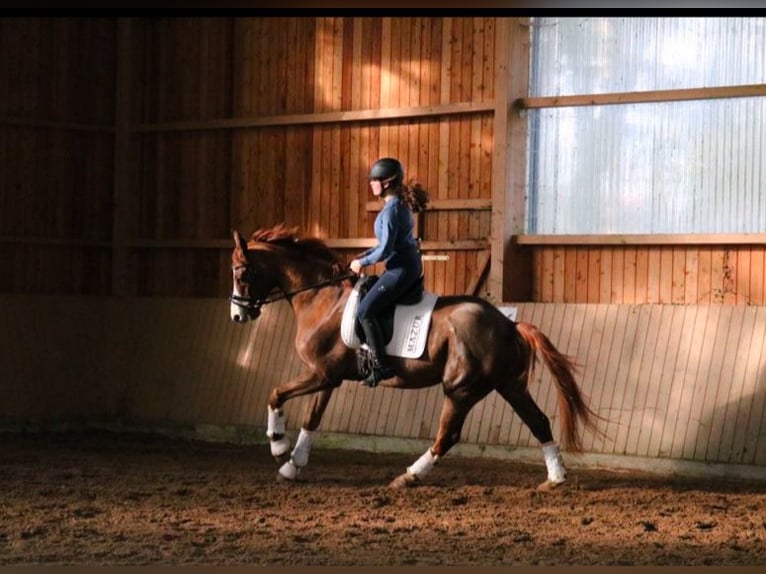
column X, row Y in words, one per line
column 376, row 375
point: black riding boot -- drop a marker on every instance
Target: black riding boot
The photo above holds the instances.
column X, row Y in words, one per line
column 374, row 336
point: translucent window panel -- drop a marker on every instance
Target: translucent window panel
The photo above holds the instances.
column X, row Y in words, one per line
column 602, row 55
column 677, row 167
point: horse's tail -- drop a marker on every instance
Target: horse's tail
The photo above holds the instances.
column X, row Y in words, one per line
column 572, row 407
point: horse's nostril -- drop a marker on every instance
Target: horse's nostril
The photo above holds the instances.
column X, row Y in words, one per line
column 237, row 319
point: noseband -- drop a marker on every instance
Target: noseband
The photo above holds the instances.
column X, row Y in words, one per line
column 253, row 305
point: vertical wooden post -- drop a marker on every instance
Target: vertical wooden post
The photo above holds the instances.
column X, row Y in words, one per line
column 510, row 276
column 124, row 214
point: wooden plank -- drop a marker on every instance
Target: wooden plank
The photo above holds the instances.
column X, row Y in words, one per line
column 694, row 429
column 704, row 275
column 56, row 125
column 663, row 377
column 757, row 273
column 741, row 279
column 643, row 97
column 600, row 366
column 124, row 192
column 649, row 239
column 723, row 404
column 596, row 275
column 665, row 287
column 615, row 274
column 691, row 265
column 475, row 204
column 570, row 277
column 738, row 389
column 481, row 272
column 678, row 276
column 625, row 401
column 654, row 280
column 328, row 117
column 614, row 333
column 754, row 451
column 693, row 334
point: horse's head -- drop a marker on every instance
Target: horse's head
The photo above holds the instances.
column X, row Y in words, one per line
column 252, row 282
column 277, row 258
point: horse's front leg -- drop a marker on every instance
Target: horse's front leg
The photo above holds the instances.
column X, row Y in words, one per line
column 299, row 457
column 275, row 425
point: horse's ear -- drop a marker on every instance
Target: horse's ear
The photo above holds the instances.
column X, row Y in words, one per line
column 239, row 240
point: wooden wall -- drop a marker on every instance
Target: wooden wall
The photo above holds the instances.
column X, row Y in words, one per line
column 249, row 122
column 56, row 154
column 131, row 155
column 676, row 382
column 130, row 148
column 681, row 274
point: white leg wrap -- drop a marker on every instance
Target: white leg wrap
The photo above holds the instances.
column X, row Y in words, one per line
column 300, row 454
column 281, row 447
column 289, row 470
column 424, row 464
column 275, row 423
column 553, row 461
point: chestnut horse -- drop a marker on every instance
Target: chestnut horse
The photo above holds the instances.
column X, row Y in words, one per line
column 472, row 349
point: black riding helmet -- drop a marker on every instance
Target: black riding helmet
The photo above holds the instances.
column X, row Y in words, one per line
column 387, row 169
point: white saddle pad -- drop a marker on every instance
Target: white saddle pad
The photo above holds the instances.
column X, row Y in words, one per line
column 411, row 325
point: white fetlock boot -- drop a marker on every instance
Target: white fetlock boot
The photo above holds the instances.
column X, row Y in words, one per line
column 276, row 427
column 299, row 458
column 416, row 471
column 557, row 473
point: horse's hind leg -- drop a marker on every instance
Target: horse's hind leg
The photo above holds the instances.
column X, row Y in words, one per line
column 453, row 416
column 540, row 426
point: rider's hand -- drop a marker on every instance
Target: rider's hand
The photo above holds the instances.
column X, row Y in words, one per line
column 355, row 266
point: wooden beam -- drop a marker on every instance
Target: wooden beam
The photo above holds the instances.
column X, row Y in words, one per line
column 509, row 161
column 720, row 239
column 647, row 239
column 500, row 152
column 445, row 205
column 747, row 91
column 336, row 243
column 481, row 273
column 54, row 242
column 321, row 118
column 124, row 226
column 53, row 125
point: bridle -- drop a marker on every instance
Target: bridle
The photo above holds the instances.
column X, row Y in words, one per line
column 252, row 305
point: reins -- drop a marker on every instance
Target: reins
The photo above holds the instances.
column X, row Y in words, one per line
column 250, row 303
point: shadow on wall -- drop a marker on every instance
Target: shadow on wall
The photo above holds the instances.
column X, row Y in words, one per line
column 735, row 431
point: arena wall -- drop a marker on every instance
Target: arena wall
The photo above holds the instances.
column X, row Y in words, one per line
column 674, row 383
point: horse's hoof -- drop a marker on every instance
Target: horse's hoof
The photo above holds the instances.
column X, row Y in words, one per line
column 405, row 480
column 550, row 485
column 288, row 472
column 286, row 481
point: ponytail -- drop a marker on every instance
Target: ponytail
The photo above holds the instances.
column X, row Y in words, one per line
column 414, row 196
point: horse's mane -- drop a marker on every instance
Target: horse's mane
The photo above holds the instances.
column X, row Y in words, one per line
column 288, row 237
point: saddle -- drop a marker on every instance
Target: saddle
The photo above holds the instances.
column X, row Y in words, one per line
column 386, row 319
column 404, row 325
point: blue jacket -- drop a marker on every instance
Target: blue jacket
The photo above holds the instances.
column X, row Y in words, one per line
column 393, row 230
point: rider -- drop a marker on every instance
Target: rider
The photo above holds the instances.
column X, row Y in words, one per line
column 397, row 247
